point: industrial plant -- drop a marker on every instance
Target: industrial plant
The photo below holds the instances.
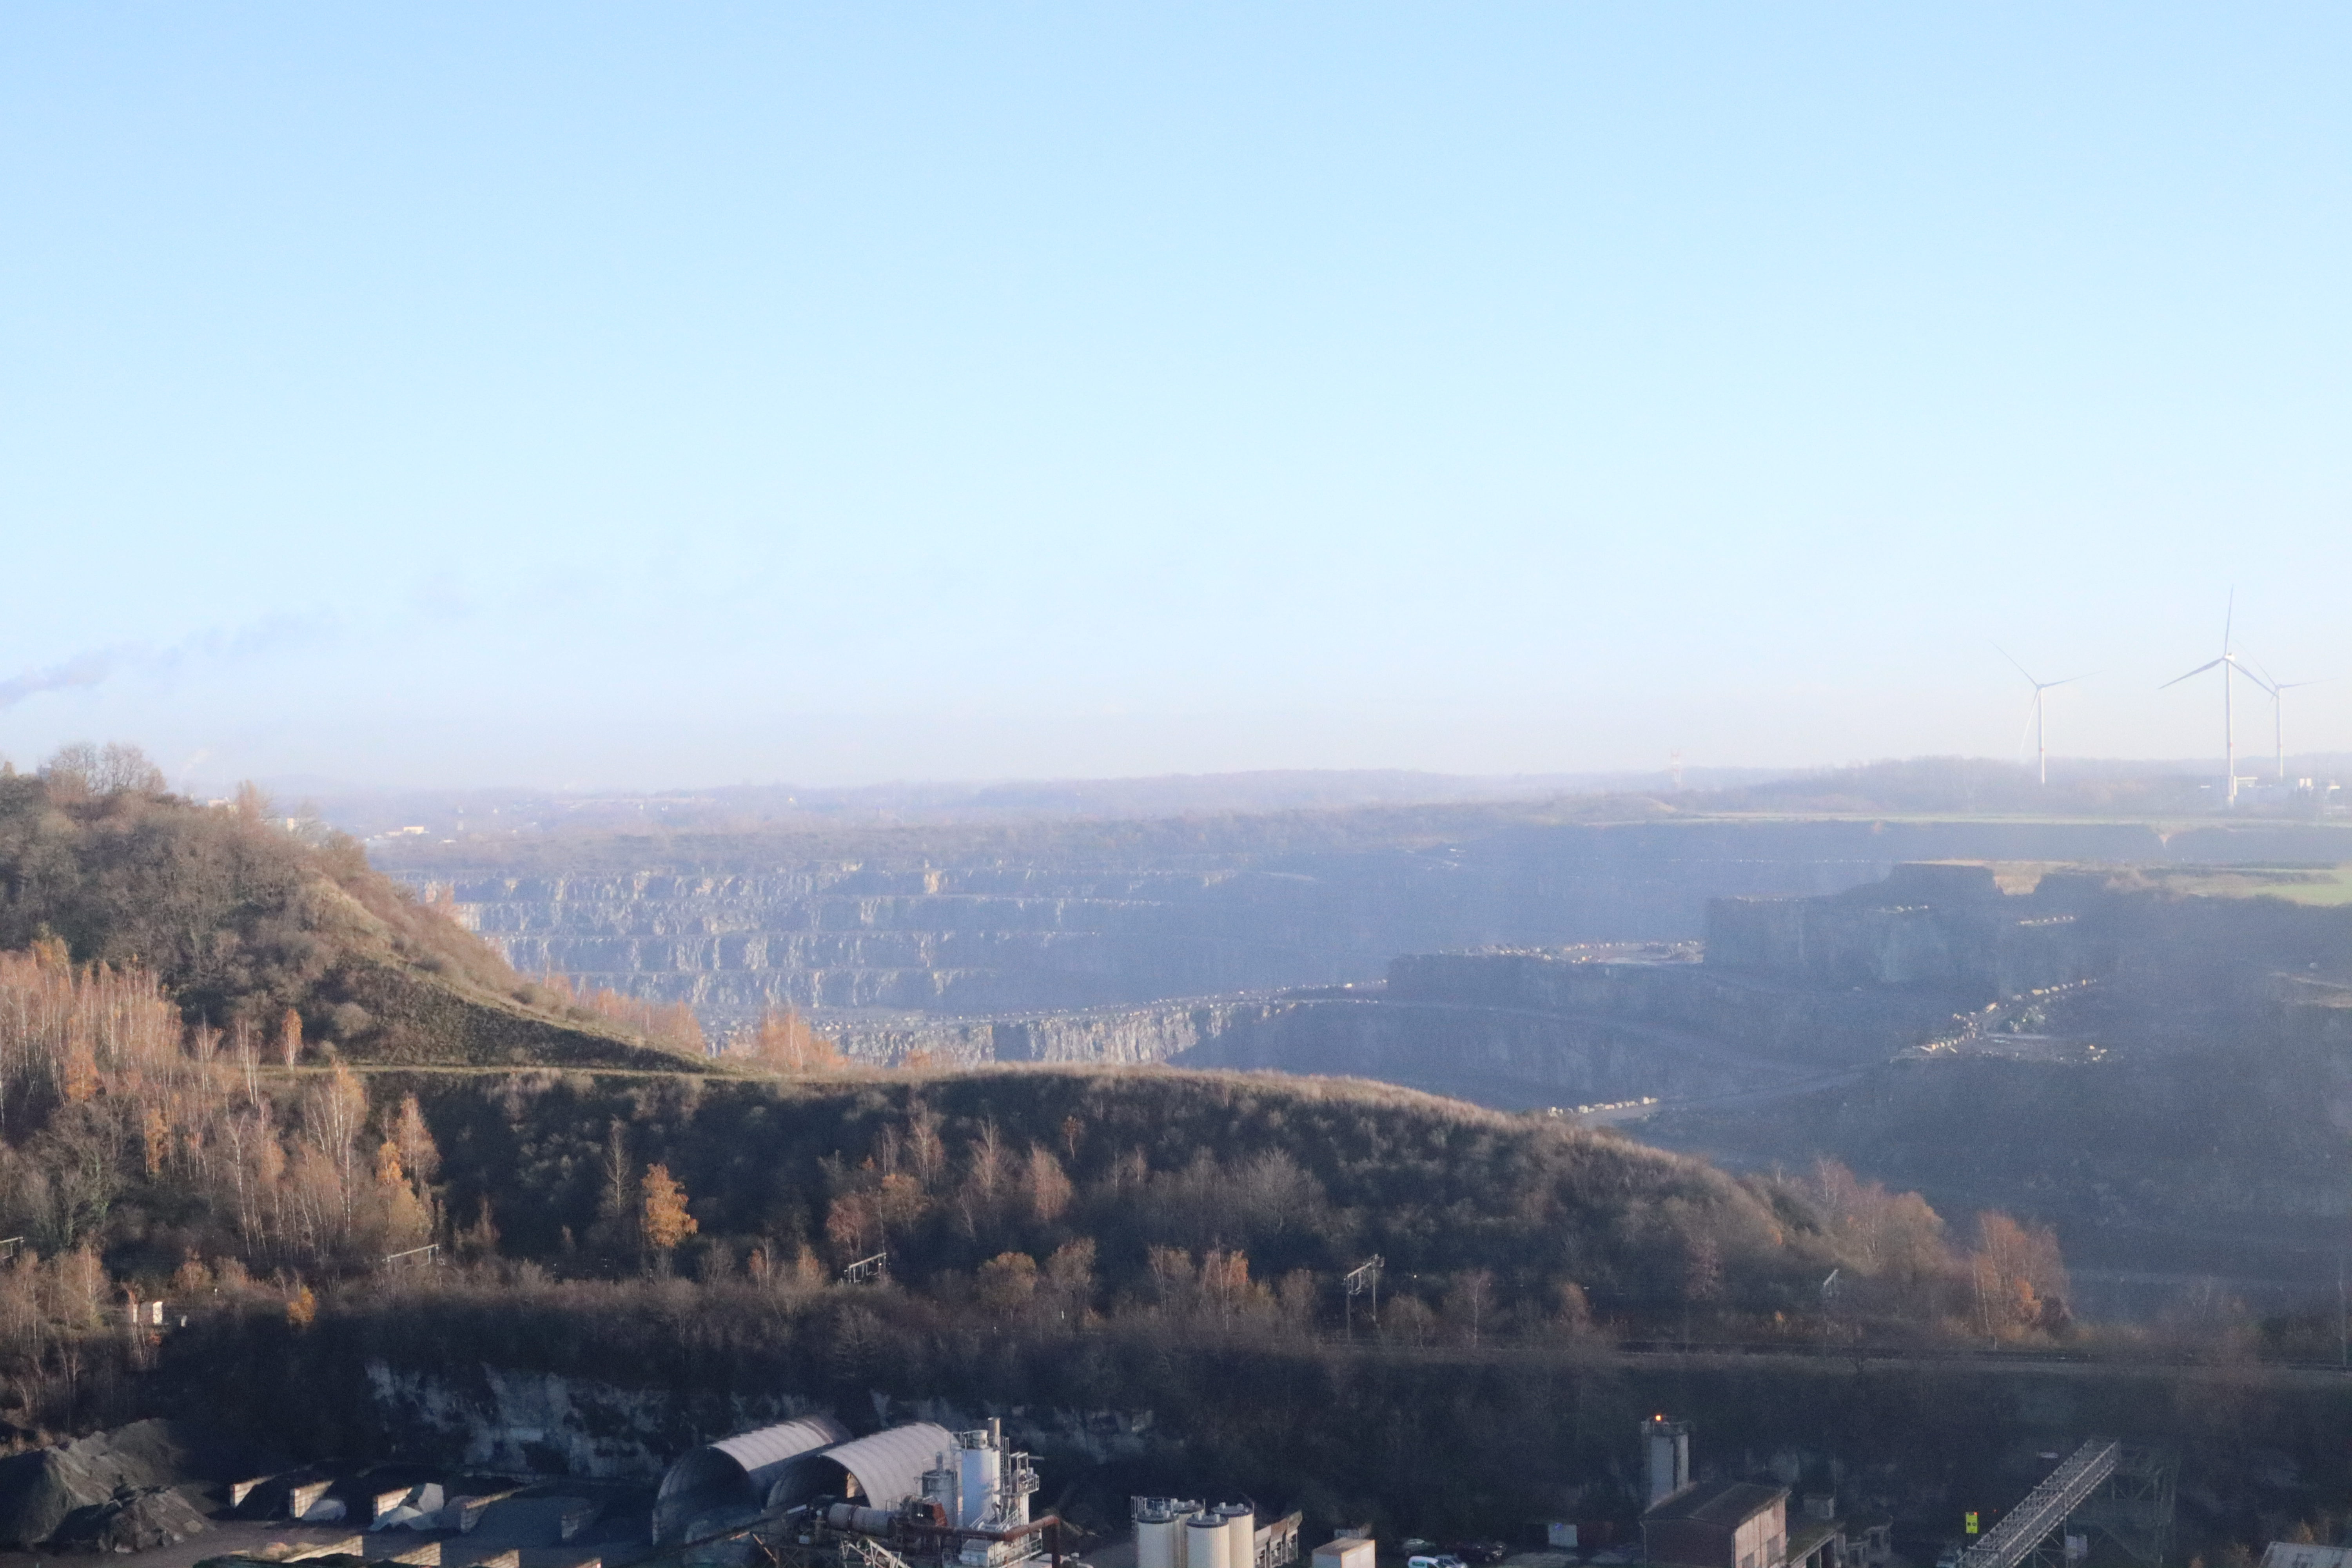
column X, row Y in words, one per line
column 805, row 1491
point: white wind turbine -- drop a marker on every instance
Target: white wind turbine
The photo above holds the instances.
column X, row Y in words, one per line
column 2278, row 689
column 2035, row 715
column 2229, row 664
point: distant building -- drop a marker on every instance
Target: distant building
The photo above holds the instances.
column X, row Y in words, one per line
column 1719, row 1524
column 1725, row 1524
column 2303, row 1554
column 1820, row 1538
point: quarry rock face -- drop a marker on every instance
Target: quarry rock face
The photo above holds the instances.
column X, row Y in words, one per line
column 1778, row 1016
column 1072, row 930
column 1942, row 926
column 500, row 1417
column 1129, row 1036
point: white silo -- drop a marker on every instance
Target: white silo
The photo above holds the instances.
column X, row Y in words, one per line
column 978, row 1478
column 1155, row 1543
column 1240, row 1535
column 1160, row 1532
column 1205, row 1542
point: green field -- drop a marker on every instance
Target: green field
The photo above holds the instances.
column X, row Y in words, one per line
column 2317, row 885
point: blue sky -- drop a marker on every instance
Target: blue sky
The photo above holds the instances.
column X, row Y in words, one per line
column 657, row 396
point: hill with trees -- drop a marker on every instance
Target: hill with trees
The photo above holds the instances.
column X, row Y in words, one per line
column 242, row 1072
column 245, row 917
column 1206, row 1197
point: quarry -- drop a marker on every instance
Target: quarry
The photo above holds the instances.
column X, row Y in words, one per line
column 1762, row 993
column 1071, row 925
column 1902, row 1169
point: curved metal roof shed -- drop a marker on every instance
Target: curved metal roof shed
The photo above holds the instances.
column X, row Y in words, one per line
column 883, row 1470
column 723, row 1484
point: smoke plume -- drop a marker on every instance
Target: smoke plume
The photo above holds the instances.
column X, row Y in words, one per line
column 82, row 670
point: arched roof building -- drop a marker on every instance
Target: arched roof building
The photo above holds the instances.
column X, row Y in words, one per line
column 880, row 1471
column 726, row 1483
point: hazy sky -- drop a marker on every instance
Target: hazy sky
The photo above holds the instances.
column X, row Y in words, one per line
column 681, row 394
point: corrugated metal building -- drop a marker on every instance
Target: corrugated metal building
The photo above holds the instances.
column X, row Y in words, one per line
column 879, row 1471
column 1725, row 1524
column 721, row 1485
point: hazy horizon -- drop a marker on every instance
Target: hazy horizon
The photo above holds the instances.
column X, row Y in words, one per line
column 502, row 810
column 608, row 398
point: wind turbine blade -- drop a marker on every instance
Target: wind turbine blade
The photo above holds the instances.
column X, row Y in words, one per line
column 2070, row 680
column 2020, row 669
column 2198, row 671
column 2229, row 618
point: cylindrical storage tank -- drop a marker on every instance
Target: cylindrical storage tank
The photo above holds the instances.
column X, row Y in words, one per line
column 1205, row 1542
column 976, row 1472
column 1240, row 1535
column 1159, row 1542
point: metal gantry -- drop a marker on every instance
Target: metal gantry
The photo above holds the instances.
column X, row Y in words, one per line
column 2134, row 1508
column 1358, row 1280
column 865, row 1551
column 2045, row 1509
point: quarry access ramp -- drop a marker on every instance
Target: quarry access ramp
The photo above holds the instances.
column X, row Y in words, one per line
column 2046, row 1508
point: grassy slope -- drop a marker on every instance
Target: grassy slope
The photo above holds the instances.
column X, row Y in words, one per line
column 2321, row 887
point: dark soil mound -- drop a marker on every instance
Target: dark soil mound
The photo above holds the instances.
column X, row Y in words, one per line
column 133, row 1521
column 117, row 1486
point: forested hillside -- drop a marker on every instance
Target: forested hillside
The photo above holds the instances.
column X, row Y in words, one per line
column 1170, row 1203
column 241, row 1071
column 1220, row 1196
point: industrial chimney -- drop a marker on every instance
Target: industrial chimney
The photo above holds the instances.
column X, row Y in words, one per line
column 1668, row 1446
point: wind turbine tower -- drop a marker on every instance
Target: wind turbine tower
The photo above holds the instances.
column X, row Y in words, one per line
column 2230, row 664
column 2278, row 689
column 2035, row 716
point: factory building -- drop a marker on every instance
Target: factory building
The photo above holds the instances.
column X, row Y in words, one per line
column 982, row 1492
column 1722, row 1524
column 1707, row 1524
column 910, row 1494
column 880, row 1471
